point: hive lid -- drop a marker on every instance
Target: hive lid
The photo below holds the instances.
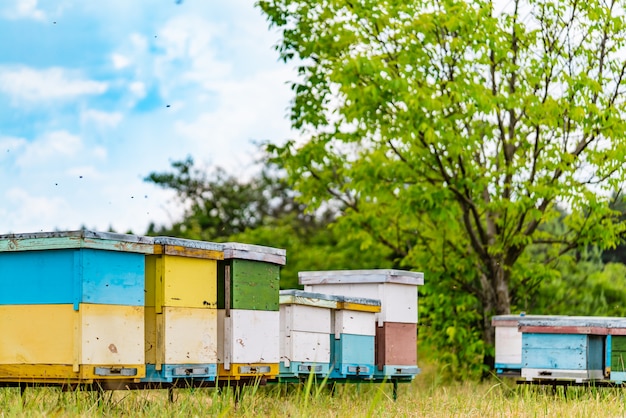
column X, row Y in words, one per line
column 361, row 276
column 513, row 320
column 76, row 239
column 596, row 325
column 300, row 297
column 189, row 248
column 255, row 253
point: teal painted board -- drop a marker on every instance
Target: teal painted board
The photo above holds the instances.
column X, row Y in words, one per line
column 352, row 355
column 72, row 276
column 169, row 372
column 562, row 351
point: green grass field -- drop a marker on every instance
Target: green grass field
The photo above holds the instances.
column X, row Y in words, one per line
column 424, row 397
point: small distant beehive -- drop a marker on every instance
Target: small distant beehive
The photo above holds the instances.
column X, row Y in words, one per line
column 305, row 332
column 248, row 310
column 570, row 348
column 353, row 337
column 508, row 345
column 181, row 310
column 396, row 331
column 72, row 306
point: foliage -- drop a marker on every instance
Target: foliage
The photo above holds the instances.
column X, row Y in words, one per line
column 452, row 131
column 261, row 210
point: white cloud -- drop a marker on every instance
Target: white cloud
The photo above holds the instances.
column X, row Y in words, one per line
column 25, row 84
column 33, row 212
column 99, row 119
column 120, row 61
column 57, row 146
column 11, row 146
column 138, row 89
column 24, row 9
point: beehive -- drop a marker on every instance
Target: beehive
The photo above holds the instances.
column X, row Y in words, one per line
column 72, row 306
column 248, row 310
column 508, row 346
column 353, row 337
column 397, row 291
column 181, row 309
column 305, row 332
column 564, row 348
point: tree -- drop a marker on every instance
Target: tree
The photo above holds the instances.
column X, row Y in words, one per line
column 452, row 130
column 260, row 210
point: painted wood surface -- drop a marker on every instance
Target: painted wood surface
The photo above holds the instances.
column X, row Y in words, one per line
column 58, row 335
column 396, row 344
column 354, row 350
column 300, row 297
column 354, row 322
column 305, row 318
column 112, row 334
column 398, row 301
column 236, row 371
column 562, row 351
column 573, row 325
column 361, row 276
column 618, row 353
column 300, row 346
column 189, row 335
column 236, row 250
column 72, row 276
column 248, row 336
column 38, row 334
column 188, row 248
column 254, row 285
column 178, row 281
column 514, row 320
column 76, row 239
column 508, row 346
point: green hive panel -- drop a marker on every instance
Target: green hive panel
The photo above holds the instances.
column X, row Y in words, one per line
column 254, row 285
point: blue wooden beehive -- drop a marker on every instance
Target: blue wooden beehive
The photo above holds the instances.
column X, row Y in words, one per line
column 571, row 348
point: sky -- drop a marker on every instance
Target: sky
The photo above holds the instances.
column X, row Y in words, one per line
column 94, row 96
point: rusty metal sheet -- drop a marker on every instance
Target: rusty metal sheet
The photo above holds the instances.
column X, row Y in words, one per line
column 361, row 276
column 255, row 253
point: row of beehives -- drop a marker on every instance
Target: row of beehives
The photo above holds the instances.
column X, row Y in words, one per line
column 83, row 306
column 547, row 348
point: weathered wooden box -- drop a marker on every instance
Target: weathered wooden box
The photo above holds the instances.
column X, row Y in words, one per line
column 571, row 348
column 305, row 331
column 508, row 346
column 181, row 309
column 73, row 267
column 615, row 348
column 354, row 337
column 248, row 343
column 396, row 289
column 58, row 342
column 249, row 277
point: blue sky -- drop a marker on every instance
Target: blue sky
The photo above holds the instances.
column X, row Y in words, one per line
column 96, row 95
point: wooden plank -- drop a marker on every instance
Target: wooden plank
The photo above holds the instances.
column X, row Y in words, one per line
column 354, row 322
column 529, row 329
column 253, row 286
column 300, row 297
column 44, row 372
column 508, row 345
column 76, row 239
column 255, row 336
column 37, row 334
column 188, row 248
column 303, row 346
column 562, row 351
column 188, row 282
column 354, row 349
column 396, row 344
column 361, row 276
column 236, row 250
column 305, row 318
column 190, row 335
column 112, row 334
column 150, row 332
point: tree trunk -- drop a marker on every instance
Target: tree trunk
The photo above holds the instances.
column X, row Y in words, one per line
column 496, row 301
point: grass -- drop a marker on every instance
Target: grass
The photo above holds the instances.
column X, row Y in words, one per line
column 426, row 396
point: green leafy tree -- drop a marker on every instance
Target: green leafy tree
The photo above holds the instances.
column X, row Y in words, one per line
column 260, row 210
column 452, row 130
